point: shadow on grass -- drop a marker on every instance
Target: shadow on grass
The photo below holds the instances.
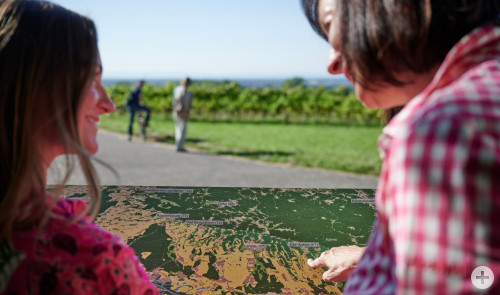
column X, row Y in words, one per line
column 255, row 154
column 171, row 139
column 374, row 124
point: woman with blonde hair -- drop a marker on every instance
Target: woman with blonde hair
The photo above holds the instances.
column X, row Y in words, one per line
column 51, row 98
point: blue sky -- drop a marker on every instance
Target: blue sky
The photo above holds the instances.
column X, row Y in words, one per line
column 218, row 39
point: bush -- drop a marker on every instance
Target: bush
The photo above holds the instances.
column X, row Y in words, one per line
column 230, row 101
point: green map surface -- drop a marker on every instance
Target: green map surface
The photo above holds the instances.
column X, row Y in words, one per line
column 235, row 240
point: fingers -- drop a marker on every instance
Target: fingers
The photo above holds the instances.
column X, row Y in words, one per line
column 339, row 260
column 333, row 271
column 318, row 262
column 330, row 274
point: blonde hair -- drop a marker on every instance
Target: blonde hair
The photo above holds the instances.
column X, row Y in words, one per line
column 48, row 57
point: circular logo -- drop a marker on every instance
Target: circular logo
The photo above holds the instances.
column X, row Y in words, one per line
column 482, row 277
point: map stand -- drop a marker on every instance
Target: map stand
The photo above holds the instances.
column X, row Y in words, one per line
column 198, row 240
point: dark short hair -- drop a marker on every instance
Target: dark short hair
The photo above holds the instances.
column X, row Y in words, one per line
column 186, row 81
column 310, row 8
column 380, row 39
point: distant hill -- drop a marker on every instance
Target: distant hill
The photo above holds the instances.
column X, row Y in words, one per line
column 333, row 82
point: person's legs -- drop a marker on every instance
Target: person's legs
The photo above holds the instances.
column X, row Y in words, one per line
column 180, row 133
column 183, row 135
column 177, row 130
column 131, row 110
column 147, row 110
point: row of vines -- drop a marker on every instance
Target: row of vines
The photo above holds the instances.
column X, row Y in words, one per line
column 230, row 101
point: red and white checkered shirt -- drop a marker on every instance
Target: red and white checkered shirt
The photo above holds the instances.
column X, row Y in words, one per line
column 439, row 189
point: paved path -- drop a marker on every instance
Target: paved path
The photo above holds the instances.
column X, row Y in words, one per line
column 155, row 164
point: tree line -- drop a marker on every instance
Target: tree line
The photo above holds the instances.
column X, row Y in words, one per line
column 228, row 100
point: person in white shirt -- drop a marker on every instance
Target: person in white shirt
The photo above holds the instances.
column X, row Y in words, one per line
column 181, row 104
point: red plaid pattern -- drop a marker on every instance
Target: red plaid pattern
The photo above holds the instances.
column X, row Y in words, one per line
column 439, row 189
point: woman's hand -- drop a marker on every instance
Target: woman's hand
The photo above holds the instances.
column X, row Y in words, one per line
column 339, row 260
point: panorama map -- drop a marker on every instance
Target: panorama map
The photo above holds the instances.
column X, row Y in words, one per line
column 235, row 240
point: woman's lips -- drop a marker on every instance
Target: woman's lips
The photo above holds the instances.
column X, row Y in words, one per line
column 93, row 121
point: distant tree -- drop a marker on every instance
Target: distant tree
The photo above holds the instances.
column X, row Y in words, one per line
column 293, row 82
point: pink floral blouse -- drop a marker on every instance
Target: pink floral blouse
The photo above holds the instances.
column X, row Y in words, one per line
column 76, row 258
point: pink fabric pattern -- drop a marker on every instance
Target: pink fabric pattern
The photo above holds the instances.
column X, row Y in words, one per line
column 76, row 258
column 439, row 189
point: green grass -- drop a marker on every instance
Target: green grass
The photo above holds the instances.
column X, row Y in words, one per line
column 349, row 148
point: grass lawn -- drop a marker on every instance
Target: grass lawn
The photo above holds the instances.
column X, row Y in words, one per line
column 328, row 146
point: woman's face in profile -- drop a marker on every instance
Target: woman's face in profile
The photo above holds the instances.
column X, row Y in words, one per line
column 94, row 102
column 382, row 96
column 327, row 22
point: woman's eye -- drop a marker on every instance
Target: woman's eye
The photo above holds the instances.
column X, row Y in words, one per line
column 326, row 29
column 98, row 70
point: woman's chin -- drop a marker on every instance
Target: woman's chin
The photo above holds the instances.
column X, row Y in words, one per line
column 367, row 98
column 91, row 147
column 367, row 102
column 368, row 105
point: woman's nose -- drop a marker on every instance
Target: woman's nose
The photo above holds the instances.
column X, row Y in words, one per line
column 334, row 62
column 107, row 105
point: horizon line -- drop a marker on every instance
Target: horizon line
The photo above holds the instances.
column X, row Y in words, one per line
column 336, row 77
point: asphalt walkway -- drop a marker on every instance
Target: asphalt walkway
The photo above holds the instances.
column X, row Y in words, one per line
column 156, row 164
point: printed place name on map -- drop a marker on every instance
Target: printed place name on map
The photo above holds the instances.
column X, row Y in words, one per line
column 303, row 244
column 255, row 246
column 227, row 204
column 331, row 240
column 364, row 201
column 165, row 215
column 169, row 190
column 85, row 199
column 205, row 222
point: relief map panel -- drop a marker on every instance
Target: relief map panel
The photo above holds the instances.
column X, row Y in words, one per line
column 235, row 240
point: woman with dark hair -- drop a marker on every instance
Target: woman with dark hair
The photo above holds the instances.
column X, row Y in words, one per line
column 436, row 231
column 51, row 98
